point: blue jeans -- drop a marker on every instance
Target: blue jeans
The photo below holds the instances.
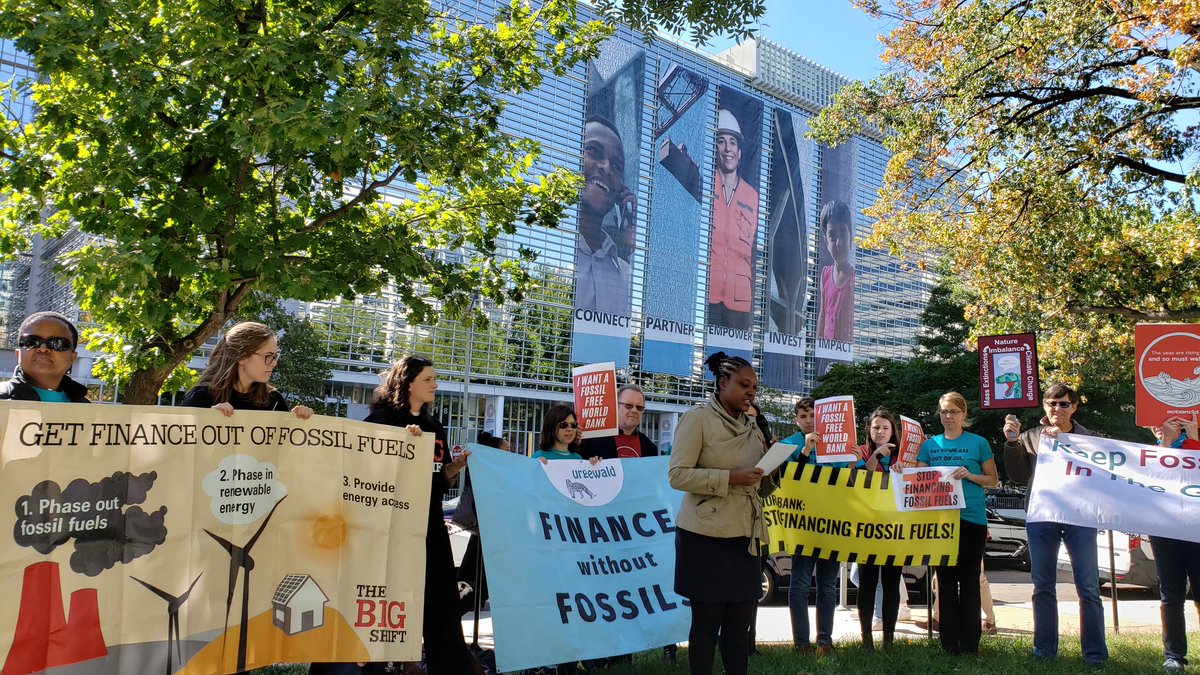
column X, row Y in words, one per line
column 1044, row 539
column 1177, row 562
column 798, row 587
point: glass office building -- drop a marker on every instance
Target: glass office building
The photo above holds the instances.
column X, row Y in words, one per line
column 708, row 222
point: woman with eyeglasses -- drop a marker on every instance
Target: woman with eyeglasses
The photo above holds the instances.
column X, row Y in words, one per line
column 720, row 525
column 46, row 344
column 560, row 437
column 958, row 585
column 238, row 372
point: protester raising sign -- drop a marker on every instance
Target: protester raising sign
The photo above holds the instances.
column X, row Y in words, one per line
column 911, row 438
column 837, row 437
column 252, row 539
column 1167, row 379
column 595, row 388
column 582, row 564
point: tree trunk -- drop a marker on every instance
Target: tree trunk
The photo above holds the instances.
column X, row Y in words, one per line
column 144, row 384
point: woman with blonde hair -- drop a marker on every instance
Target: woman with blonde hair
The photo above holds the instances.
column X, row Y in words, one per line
column 238, row 372
column 958, row 585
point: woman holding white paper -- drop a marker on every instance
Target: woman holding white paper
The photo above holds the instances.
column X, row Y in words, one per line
column 720, row 524
column 958, row 585
column 882, row 441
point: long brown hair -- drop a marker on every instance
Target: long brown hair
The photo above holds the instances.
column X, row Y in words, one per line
column 556, row 415
column 240, row 341
column 393, row 391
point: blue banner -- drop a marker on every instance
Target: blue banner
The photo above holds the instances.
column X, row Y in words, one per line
column 580, row 558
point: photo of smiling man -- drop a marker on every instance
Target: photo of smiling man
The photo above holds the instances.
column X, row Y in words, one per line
column 601, row 274
column 607, row 239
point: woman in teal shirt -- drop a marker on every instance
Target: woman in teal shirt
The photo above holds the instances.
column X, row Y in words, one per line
column 560, row 437
column 958, row 585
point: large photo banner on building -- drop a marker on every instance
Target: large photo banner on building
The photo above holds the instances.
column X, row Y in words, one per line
column 609, row 209
column 149, row 539
column 580, row 558
column 836, row 221
column 787, row 252
column 680, row 135
column 733, row 237
column 1008, row 373
column 850, row 515
column 1097, row 482
column 1168, row 371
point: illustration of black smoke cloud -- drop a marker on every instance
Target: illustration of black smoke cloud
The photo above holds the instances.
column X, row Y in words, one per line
column 103, row 518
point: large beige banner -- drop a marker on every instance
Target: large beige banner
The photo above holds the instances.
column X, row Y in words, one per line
column 150, row 539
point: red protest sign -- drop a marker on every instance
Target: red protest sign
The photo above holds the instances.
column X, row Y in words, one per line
column 1167, row 380
column 911, row 438
column 838, row 439
column 595, row 388
column 1008, row 371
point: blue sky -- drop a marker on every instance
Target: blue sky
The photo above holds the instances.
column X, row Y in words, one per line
column 831, row 32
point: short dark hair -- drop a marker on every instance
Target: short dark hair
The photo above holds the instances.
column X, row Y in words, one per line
column 1058, row 390
column 838, row 214
column 600, row 119
column 803, row 403
column 38, row 316
column 486, row 438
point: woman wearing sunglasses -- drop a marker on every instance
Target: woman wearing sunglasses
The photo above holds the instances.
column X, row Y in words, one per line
column 560, row 437
column 237, row 374
column 46, row 345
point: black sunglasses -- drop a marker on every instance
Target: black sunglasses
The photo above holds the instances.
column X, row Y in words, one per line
column 568, row 425
column 1059, row 404
column 54, row 344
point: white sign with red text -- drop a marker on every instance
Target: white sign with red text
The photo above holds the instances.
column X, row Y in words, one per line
column 1130, row 487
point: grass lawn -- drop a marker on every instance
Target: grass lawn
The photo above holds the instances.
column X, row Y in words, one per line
column 1128, row 653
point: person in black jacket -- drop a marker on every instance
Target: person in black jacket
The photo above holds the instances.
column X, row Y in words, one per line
column 629, row 442
column 237, row 374
column 46, row 343
column 404, row 399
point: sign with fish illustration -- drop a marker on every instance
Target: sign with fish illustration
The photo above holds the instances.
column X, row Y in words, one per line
column 1167, row 375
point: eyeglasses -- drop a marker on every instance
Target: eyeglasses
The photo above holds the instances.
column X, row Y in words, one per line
column 568, row 425
column 269, row 358
column 632, row 406
column 54, row 344
column 950, row 412
column 1058, row 404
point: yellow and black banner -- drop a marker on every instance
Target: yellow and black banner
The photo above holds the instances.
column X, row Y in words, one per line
column 850, row 515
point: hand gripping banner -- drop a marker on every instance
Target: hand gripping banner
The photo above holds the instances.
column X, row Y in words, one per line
column 150, row 539
column 850, row 515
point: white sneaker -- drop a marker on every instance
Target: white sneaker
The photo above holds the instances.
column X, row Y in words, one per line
column 1173, row 666
column 877, row 624
column 905, row 614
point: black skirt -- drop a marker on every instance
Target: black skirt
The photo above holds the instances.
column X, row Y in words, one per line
column 716, row 569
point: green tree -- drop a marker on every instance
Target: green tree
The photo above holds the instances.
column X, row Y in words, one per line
column 302, row 370
column 1044, row 149
column 216, row 149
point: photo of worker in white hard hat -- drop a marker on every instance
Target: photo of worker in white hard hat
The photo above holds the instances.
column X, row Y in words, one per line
column 734, row 213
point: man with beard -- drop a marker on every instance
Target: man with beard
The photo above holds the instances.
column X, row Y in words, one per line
column 629, row 443
column 734, row 228
column 602, row 274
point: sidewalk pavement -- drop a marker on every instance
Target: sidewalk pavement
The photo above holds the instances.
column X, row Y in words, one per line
column 1013, row 619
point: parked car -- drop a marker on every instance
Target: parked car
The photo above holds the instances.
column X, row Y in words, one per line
column 777, row 575
column 1133, row 555
column 1006, row 539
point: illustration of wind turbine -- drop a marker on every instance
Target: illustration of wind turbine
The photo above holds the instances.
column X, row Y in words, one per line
column 239, row 559
column 173, row 605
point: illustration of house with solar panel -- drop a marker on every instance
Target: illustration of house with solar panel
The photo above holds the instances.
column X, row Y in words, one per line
column 298, row 604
